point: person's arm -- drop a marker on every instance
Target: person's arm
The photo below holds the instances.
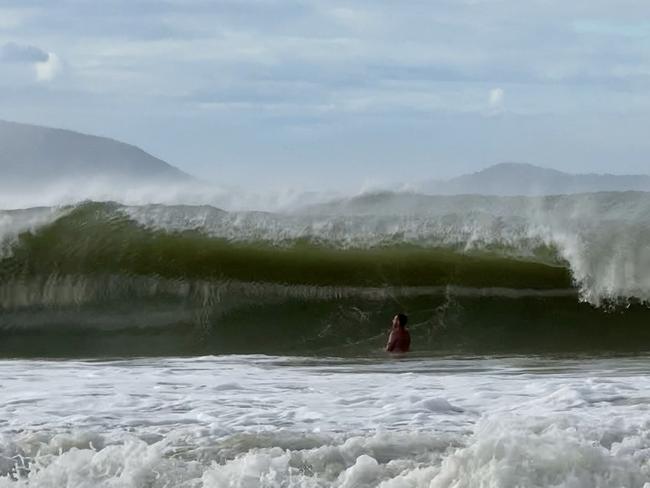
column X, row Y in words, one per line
column 392, row 340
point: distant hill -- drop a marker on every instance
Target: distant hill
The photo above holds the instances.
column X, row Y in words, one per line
column 31, row 156
column 510, row 179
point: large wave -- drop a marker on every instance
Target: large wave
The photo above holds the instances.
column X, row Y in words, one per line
column 326, row 275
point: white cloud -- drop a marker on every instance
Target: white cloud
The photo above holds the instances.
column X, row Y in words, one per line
column 496, row 98
column 49, row 69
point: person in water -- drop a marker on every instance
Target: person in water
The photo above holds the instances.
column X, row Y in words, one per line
column 399, row 339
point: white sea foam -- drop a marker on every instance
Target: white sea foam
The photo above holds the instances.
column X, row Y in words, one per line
column 282, row 422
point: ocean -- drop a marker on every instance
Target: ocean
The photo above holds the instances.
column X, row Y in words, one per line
column 185, row 345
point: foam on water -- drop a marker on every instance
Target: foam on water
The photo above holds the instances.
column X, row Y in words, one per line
column 280, row 422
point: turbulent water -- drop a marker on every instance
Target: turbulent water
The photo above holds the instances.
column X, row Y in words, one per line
column 254, row 421
column 189, row 346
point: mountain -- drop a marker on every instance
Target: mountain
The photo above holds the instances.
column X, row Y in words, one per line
column 510, row 179
column 32, row 156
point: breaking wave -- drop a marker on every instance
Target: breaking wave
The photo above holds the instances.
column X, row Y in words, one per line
column 467, row 268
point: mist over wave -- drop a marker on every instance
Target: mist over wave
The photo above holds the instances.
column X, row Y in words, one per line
column 71, row 191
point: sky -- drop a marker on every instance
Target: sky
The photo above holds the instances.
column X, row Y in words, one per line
column 318, row 94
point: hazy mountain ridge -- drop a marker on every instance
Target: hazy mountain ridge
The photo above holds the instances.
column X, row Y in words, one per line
column 520, row 179
column 47, row 166
column 32, row 156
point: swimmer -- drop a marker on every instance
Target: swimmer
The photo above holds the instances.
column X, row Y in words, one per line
column 399, row 340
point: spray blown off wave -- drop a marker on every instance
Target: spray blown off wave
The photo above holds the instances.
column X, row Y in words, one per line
column 167, row 279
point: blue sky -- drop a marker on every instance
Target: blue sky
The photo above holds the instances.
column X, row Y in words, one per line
column 326, row 94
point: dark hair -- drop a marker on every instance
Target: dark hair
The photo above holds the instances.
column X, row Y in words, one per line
column 403, row 319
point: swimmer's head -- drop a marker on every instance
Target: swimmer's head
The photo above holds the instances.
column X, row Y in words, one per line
column 400, row 320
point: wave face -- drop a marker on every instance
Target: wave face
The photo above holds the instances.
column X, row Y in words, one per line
column 474, row 273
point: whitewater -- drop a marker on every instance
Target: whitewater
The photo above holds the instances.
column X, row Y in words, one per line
column 194, row 345
column 262, row 421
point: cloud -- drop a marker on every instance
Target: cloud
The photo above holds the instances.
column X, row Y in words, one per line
column 47, row 65
column 48, row 69
column 22, row 53
column 495, row 98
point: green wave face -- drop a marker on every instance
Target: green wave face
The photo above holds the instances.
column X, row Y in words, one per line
column 94, row 239
column 97, row 282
